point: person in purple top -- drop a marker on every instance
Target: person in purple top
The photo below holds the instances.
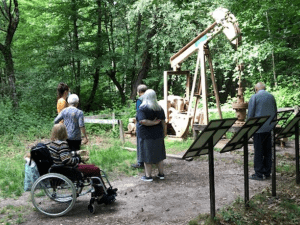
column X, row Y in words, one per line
column 262, row 103
column 74, row 121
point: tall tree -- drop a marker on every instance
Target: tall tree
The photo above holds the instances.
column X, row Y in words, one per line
column 9, row 19
column 98, row 53
column 74, row 41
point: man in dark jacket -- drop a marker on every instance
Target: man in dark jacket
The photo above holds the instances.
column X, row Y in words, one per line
column 262, row 104
column 141, row 89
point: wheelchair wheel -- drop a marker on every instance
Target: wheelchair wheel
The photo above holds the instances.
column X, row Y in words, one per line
column 53, row 194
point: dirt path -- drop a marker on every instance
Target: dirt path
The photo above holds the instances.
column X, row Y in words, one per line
column 176, row 200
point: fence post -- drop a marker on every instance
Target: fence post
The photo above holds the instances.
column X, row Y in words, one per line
column 113, row 117
column 122, row 136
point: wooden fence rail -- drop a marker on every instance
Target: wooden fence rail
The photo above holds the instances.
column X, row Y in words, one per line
column 91, row 119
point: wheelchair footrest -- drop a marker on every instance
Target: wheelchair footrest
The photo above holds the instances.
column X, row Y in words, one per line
column 106, row 199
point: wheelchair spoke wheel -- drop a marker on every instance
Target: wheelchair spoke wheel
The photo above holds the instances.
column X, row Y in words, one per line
column 53, row 194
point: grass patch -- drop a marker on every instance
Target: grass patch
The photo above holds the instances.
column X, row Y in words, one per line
column 286, row 167
column 11, row 176
column 113, row 159
column 13, row 214
column 175, row 147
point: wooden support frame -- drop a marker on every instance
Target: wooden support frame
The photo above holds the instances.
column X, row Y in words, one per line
column 203, row 57
column 168, row 73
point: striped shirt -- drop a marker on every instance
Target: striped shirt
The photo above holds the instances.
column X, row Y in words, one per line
column 61, row 154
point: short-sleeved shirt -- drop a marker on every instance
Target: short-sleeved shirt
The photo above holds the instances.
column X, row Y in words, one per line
column 61, row 104
column 74, row 120
column 150, row 132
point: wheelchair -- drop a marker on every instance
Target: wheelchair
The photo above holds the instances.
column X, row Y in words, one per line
column 54, row 193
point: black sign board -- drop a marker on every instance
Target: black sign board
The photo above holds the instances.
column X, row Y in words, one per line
column 215, row 130
column 204, row 144
column 239, row 140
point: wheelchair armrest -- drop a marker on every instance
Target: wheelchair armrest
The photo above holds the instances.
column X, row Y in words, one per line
column 59, row 167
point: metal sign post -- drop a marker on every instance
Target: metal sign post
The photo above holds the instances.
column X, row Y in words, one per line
column 281, row 116
column 293, row 128
column 204, row 144
column 239, row 140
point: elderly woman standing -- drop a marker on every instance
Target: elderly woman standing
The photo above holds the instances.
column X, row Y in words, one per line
column 150, row 131
column 74, row 121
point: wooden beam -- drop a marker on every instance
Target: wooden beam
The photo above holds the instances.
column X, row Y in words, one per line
column 194, row 82
column 189, row 49
column 216, row 91
column 193, row 41
column 166, row 95
column 204, row 86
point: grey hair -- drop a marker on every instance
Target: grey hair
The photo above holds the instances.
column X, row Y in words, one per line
column 142, row 88
column 260, row 86
column 73, row 99
column 149, row 100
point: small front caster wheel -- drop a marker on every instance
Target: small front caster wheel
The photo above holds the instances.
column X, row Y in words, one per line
column 91, row 208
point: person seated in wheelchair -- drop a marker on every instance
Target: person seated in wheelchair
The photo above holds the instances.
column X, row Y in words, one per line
column 65, row 161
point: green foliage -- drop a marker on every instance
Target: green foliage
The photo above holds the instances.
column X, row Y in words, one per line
column 48, row 54
column 23, row 121
column 225, row 115
column 287, row 97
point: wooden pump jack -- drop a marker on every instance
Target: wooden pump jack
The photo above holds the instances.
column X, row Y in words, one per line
column 180, row 120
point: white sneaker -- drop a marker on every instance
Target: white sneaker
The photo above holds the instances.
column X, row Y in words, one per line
column 160, row 176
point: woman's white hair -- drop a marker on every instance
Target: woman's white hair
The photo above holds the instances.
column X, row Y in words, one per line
column 73, row 99
column 149, row 100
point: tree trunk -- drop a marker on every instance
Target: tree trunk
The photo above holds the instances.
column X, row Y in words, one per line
column 136, row 48
column 142, row 74
column 11, row 17
column 76, row 63
column 98, row 54
column 112, row 76
column 146, row 64
column 273, row 58
column 109, row 27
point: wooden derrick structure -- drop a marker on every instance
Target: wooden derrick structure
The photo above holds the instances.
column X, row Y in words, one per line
column 179, row 111
column 181, row 119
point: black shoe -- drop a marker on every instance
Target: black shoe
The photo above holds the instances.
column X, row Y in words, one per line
column 112, row 192
column 267, row 177
column 138, row 165
column 255, row 177
column 160, row 176
column 144, row 178
column 106, row 199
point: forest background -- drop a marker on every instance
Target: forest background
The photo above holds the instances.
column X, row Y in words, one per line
column 103, row 49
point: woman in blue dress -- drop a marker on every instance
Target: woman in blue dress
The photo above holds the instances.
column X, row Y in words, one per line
column 151, row 133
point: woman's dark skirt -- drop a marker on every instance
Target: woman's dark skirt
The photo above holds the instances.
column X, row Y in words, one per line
column 151, row 150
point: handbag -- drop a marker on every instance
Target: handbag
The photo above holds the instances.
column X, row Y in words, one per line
column 31, row 175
